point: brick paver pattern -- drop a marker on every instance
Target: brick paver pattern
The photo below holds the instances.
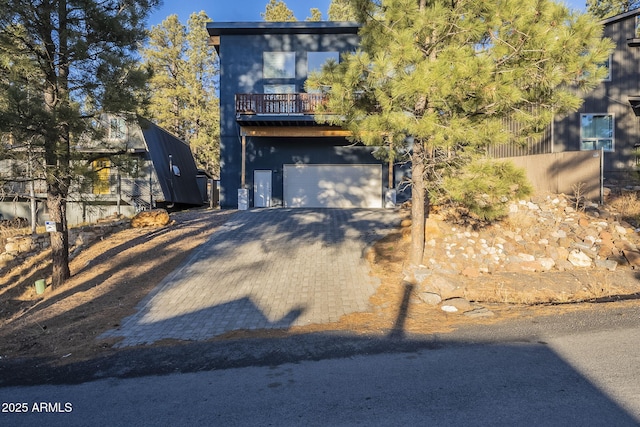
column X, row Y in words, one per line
column 265, row 269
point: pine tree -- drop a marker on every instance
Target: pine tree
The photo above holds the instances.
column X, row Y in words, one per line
column 277, row 11
column 21, row 116
column 165, row 57
column 437, row 79
column 183, row 85
column 607, row 8
column 341, row 10
column 71, row 60
column 202, row 115
column 316, row 15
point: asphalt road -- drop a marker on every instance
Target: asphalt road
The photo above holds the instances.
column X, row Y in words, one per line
column 581, row 368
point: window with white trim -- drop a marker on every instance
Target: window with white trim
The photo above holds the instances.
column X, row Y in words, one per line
column 117, row 128
column 596, row 132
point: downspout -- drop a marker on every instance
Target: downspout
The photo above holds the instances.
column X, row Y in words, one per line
column 171, row 190
column 32, row 192
column 118, row 190
column 151, row 206
column 601, row 176
column 391, row 186
column 244, row 162
column 553, row 130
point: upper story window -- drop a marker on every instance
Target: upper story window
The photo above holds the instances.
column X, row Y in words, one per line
column 315, row 60
column 596, row 132
column 633, row 39
column 607, row 65
column 117, row 128
column 279, row 65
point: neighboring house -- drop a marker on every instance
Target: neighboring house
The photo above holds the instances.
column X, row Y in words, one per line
column 568, row 155
column 273, row 153
column 153, row 168
column 609, row 118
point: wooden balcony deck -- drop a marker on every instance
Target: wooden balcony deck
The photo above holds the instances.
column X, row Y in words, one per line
column 289, row 104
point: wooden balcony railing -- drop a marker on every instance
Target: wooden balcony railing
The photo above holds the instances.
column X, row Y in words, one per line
column 278, row 103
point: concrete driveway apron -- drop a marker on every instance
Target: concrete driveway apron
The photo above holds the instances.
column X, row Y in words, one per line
column 265, row 269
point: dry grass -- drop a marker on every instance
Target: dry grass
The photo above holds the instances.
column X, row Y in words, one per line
column 7, row 232
column 502, row 293
column 108, row 280
column 578, row 195
column 599, row 286
column 627, row 204
column 550, row 288
column 519, row 222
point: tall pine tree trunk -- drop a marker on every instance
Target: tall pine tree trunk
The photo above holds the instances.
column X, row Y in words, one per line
column 56, row 154
column 57, row 151
column 418, row 197
column 56, row 204
column 418, row 188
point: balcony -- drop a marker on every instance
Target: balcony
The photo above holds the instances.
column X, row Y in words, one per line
column 283, row 115
column 278, row 104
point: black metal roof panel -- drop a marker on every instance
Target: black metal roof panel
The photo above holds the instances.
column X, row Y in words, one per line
column 164, row 149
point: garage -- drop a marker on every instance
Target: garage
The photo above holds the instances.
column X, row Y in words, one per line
column 332, row 186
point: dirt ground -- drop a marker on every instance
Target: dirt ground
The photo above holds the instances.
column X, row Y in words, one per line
column 110, row 277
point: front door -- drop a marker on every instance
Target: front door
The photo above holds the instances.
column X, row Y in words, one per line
column 262, row 188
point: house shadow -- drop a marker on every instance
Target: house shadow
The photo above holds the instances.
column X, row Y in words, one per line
column 147, row 327
column 329, row 225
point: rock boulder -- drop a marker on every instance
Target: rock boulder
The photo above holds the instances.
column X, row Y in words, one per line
column 152, row 218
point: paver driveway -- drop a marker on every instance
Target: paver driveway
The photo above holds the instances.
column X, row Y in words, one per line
column 265, row 268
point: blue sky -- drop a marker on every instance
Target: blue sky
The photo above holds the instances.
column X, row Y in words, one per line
column 233, row 10
column 249, row 10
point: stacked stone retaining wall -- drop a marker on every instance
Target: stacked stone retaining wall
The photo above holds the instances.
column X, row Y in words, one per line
column 19, row 248
column 537, row 236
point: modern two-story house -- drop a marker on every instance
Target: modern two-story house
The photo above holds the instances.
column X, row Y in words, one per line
column 273, row 152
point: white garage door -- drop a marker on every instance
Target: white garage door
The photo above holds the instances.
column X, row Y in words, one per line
column 332, row 186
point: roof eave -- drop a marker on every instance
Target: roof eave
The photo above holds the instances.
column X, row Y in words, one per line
column 297, row 27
